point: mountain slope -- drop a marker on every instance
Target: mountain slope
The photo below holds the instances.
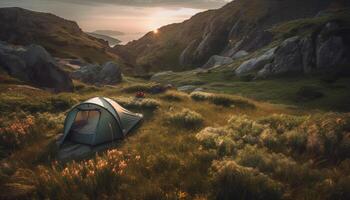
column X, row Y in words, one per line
column 240, row 25
column 61, row 37
column 111, row 40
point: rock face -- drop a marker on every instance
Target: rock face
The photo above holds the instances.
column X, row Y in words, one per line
column 325, row 51
column 217, row 61
column 35, row 65
column 109, row 73
column 238, row 26
column 240, row 54
column 255, row 64
column 60, row 37
column 288, row 57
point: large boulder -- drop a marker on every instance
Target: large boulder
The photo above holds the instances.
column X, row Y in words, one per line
column 87, row 74
column 108, row 73
column 216, row 60
column 255, row 64
column 287, row 59
column 35, row 65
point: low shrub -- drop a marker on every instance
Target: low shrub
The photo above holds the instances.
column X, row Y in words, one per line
column 221, row 100
column 217, row 138
column 138, row 88
column 232, row 181
column 282, row 123
column 200, row 96
column 173, row 96
column 278, row 165
column 186, row 119
column 138, row 103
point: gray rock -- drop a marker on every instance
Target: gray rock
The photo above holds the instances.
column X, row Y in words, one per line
column 308, row 55
column 332, row 53
column 187, row 88
column 264, row 72
column 198, row 90
column 288, row 57
column 87, row 74
column 158, row 76
column 109, row 73
column 14, row 65
column 240, row 54
column 216, row 60
column 35, row 65
column 255, row 64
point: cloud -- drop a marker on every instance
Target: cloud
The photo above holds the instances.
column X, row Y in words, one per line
column 202, row 4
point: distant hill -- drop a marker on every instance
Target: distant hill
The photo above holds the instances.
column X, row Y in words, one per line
column 239, row 25
column 61, row 37
column 111, row 40
column 109, row 32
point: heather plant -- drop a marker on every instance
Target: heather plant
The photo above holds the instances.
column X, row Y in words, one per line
column 16, row 132
column 86, row 179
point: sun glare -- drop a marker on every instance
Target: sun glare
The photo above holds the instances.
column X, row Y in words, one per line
column 156, row 31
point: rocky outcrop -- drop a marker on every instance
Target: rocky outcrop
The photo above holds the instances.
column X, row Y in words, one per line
column 255, row 64
column 109, row 73
column 333, row 46
column 323, row 51
column 240, row 54
column 288, row 57
column 216, row 60
column 35, row 65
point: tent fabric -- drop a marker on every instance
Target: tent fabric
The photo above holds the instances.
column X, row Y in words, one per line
column 98, row 120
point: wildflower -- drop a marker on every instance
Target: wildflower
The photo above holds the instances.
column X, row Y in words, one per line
column 182, row 195
column 122, row 164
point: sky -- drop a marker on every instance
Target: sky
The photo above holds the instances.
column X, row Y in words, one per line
column 128, row 16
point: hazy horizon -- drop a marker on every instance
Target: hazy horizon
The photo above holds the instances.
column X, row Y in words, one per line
column 133, row 17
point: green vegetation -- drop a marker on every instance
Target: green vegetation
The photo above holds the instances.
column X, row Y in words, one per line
column 295, row 91
column 306, row 26
column 222, row 100
column 211, row 150
column 185, row 118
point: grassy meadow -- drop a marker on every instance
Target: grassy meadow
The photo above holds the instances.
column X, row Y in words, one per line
column 189, row 146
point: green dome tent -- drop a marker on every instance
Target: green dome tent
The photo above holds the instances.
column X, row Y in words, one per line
column 98, row 120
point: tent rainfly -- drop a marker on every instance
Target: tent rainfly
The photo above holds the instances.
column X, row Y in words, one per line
column 98, row 120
